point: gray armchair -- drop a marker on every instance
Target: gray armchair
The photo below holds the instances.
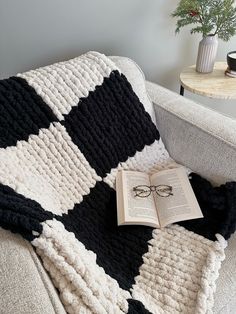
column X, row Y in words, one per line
column 201, row 139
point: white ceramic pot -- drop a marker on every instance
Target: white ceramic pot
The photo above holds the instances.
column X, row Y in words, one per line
column 207, row 51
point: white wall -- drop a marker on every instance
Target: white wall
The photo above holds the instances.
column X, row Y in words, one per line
column 35, row 33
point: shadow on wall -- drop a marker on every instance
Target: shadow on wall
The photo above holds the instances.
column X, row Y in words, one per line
column 37, row 33
column 186, row 55
column 43, row 32
column 165, row 54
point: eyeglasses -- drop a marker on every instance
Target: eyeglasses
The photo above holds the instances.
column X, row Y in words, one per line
column 145, row 190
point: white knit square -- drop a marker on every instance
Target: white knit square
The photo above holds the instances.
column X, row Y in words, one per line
column 62, row 84
column 151, row 159
column 48, row 168
column 179, row 272
column 84, row 286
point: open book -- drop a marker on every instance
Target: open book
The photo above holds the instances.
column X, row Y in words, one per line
column 157, row 200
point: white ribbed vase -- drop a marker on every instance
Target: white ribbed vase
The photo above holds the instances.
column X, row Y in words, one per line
column 207, row 51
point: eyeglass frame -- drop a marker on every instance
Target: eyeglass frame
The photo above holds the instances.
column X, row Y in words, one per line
column 153, row 188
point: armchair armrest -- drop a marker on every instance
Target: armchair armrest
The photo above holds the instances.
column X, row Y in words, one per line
column 200, row 138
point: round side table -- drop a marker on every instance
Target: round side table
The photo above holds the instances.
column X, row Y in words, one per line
column 213, row 85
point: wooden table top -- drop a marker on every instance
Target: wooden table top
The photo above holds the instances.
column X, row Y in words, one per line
column 213, row 85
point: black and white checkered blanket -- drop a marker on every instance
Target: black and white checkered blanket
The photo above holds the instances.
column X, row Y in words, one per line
column 65, row 131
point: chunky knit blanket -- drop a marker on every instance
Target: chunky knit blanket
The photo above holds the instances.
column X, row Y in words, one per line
column 65, row 131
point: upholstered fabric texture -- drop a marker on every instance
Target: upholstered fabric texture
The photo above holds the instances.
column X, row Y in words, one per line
column 195, row 136
column 24, row 285
column 66, row 130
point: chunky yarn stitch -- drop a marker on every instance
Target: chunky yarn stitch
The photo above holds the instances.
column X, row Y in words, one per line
column 65, row 131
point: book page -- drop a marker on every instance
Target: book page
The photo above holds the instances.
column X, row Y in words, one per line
column 138, row 209
column 180, row 206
